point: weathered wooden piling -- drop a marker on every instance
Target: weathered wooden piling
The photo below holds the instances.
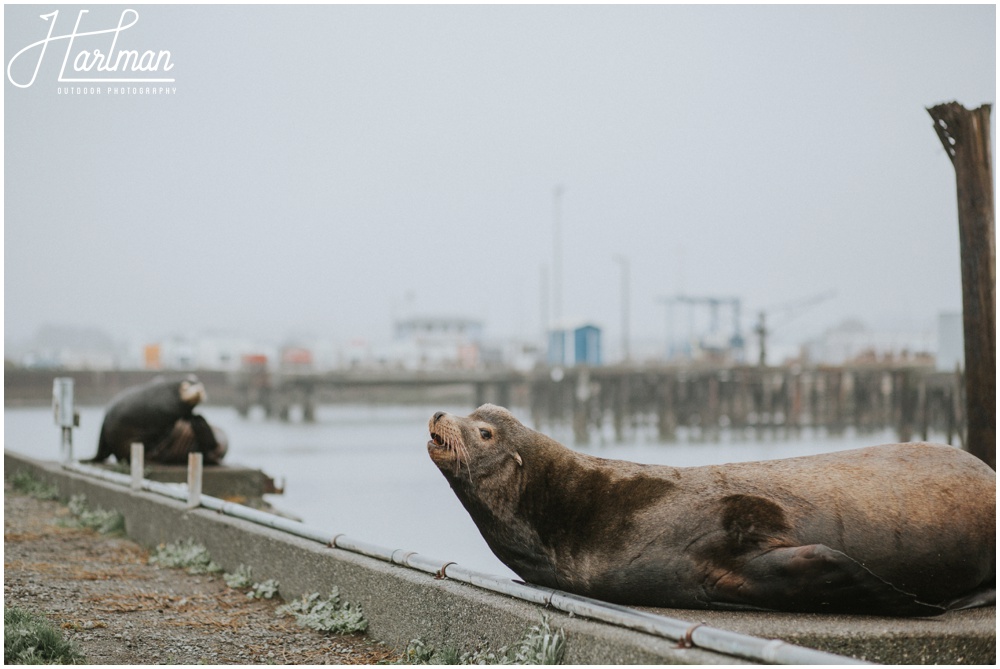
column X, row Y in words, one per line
column 965, row 135
column 772, row 402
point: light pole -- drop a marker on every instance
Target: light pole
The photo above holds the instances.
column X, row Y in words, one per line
column 556, row 256
column 623, row 261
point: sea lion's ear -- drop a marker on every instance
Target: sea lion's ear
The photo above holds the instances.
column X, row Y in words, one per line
column 517, row 457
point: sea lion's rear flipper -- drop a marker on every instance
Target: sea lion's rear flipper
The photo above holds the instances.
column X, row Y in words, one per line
column 984, row 597
column 104, row 449
column 818, row 578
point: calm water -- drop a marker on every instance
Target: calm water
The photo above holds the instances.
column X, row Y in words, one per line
column 364, row 471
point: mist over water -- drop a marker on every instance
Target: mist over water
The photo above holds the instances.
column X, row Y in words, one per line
column 364, row 471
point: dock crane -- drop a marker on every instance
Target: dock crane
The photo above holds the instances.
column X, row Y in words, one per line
column 713, row 303
column 791, row 310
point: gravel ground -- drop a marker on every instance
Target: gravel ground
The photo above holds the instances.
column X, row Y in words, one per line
column 121, row 610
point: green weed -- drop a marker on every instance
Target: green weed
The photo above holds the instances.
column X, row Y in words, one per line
column 539, row 645
column 25, row 482
column 31, row 639
column 105, row 522
column 326, row 615
column 241, row 578
column 187, row 555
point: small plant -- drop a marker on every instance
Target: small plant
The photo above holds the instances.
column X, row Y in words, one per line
column 105, row 522
column 243, row 578
column 326, row 615
column 266, row 590
column 539, row 645
column 31, row 639
column 417, row 652
column 452, row 656
column 187, row 555
column 25, row 482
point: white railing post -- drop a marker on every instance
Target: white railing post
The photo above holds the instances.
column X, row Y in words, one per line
column 194, row 480
column 65, row 415
column 136, row 461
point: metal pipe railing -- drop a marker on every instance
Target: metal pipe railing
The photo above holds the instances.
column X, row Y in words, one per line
column 771, row 651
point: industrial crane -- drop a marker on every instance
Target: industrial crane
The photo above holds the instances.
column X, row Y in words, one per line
column 791, row 310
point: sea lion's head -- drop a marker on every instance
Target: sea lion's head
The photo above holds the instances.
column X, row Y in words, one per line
column 191, row 390
column 498, row 468
column 484, row 441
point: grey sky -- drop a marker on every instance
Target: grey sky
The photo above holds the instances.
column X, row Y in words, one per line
column 318, row 164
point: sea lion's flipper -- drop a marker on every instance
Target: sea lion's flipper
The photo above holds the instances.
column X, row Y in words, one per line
column 204, row 436
column 984, row 597
column 104, row 449
column 817, row 578
column 173, row 447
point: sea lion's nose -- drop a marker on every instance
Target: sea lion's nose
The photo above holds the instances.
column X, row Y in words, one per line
column 438, row 415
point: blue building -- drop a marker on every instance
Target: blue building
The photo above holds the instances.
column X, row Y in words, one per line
column 571, row 346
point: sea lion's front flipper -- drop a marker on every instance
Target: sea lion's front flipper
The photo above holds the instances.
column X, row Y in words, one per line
column 816, row 578
column 205, row 441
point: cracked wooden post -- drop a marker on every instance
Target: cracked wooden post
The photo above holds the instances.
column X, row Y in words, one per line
column 965, row 135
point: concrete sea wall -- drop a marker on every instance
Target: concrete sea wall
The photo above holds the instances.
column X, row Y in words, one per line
column 402, row 604
column 399, row 603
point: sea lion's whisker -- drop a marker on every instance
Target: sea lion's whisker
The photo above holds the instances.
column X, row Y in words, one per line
column 462, row 457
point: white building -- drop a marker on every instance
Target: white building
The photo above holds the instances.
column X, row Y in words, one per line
column 950, row 342
column 853, row 341
column 425, row 342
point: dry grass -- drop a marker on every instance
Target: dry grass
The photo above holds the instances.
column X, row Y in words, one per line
column 104, row 596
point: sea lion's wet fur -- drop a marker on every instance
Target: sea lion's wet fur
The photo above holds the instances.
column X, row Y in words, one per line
column 160, row 415
column 901, row 529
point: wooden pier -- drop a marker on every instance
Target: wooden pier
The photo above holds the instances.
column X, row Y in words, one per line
column 914, row 401
column 657, row 401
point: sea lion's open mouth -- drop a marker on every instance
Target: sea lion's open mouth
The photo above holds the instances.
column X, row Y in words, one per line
column 446, row 446
column 441, row 446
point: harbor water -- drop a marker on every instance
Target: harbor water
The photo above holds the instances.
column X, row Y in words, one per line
column 364, row 470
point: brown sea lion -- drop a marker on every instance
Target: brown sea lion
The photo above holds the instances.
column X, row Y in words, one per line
column 900, row 529
column 160, row 415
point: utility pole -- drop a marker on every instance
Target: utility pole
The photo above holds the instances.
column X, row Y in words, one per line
column 965, row 135
column 557, row 256
column 544, row 313
column 623, row 261
column 761, row 331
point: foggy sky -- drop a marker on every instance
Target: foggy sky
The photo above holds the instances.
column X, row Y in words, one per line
column 320, row 169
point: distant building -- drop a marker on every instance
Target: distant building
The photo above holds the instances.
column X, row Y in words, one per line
column 296, row 359
column 853, row 342
column 570, row 346
column 216, row 352
column 424, row 342
column 950, row 342
column 520, row 355
column 69, row 347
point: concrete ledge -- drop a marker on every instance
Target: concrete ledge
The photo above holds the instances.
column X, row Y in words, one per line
column 402, row 604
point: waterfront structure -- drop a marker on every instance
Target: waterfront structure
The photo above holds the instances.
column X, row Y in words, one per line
column 574, row 345
column 422, row 342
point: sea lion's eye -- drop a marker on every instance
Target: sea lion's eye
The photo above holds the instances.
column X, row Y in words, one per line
column 484, row 433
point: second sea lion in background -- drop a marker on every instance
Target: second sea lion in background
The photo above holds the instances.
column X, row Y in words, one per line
column 159, row 415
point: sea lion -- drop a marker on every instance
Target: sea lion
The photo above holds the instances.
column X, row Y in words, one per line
column 160, row 415
column 899, row 529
